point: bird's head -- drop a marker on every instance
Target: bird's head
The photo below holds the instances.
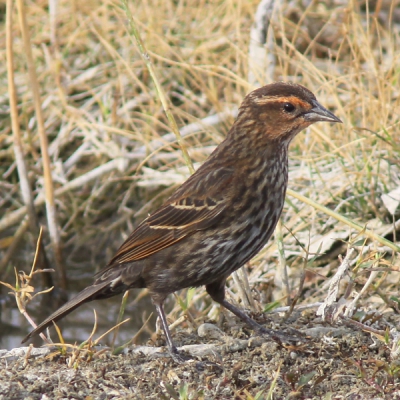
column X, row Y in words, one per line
column 279, row 111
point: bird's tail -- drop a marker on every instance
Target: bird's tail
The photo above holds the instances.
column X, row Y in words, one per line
column 90, row 293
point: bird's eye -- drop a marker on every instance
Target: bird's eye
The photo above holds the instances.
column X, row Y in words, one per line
column 289, row 107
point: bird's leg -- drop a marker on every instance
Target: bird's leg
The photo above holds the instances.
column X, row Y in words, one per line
column 175, row 354
column 276, row 335
column 163, row 318
column 217, row 292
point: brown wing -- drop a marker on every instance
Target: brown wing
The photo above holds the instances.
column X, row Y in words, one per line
column 196, row 205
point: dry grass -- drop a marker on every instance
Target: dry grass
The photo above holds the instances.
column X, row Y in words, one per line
column 112, row 163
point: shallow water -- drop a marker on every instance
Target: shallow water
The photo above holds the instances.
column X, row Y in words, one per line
column 77, row 326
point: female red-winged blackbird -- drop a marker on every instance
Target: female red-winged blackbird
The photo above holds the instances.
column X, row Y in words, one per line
column 220, row 217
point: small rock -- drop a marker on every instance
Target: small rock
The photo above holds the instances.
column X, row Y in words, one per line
column 210, row 331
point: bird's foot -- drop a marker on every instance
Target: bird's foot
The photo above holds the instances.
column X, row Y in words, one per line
column 282, row 338
column 279, row 337
column 181, row 358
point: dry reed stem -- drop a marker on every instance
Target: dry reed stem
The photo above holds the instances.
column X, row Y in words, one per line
column 26, row 191
column 48, row 180
column 25, row 186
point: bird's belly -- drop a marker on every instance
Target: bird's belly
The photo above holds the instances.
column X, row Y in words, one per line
column 202, row 259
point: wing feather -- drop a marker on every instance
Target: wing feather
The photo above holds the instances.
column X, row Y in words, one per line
column 187, row 211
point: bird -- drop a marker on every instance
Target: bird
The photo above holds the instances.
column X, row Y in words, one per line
column 219, row 218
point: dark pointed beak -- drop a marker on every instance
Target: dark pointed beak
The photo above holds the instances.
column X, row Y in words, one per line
column 320, row 113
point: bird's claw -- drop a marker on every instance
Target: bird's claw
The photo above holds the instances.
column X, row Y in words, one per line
column 281, row 337
column 180, row 358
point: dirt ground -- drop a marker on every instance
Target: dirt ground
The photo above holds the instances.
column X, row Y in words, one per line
column 328, row 362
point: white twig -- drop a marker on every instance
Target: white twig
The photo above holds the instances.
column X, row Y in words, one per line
column 242, row 284
column 334, row 285
column 296, row 308
column 350, row 308
column 261, row 48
